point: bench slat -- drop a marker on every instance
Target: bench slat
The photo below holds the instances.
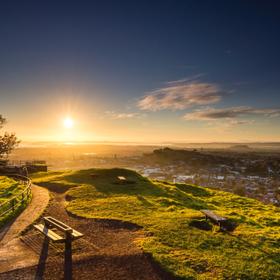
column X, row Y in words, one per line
column 213, row 215
column 63, row 227
column 58, row 224
column 49, row 233
column 76, row 234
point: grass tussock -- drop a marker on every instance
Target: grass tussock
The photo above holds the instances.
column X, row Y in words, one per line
column 177, row 235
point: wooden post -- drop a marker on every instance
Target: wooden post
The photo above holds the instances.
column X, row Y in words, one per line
column 68, row 256
column 13, row 204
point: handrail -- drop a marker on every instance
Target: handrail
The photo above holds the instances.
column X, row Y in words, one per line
column 22, row 194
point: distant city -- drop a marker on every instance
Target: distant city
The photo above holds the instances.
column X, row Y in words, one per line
column 241, row 169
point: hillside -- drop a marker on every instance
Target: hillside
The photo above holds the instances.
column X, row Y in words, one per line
column 176, row 234
column 10, row 188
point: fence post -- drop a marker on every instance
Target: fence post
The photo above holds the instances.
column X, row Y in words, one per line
column 19, row 198
column 13, row 204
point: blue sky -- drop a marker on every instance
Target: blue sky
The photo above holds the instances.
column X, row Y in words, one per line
column 141, row 71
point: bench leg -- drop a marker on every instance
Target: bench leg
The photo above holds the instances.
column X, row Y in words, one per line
column 68, row 259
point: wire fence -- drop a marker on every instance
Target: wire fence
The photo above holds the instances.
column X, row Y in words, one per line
column 12, row 204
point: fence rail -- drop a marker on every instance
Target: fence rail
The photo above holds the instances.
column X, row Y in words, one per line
column 11, row 204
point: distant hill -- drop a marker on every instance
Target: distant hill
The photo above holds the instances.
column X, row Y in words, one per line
column 177, row 235
column 195, row 157
column 240, row 147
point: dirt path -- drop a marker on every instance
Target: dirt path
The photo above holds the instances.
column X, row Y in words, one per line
column 107, row 251
column 13, row 253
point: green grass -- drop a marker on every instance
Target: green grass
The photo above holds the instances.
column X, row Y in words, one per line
column 166, row 212
column 10, row 188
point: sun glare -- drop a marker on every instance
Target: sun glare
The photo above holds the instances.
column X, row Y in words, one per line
column 68, row 123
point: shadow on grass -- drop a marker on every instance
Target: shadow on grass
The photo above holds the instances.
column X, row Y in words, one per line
column 55, row 187
column 109, row 223
column 104, row 181
column 42, row 264
column 201, row 224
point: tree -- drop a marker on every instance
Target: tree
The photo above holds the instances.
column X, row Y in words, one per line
column 2, row 121
column 8, row 141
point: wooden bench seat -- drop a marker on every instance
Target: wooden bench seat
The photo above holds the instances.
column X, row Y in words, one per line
column 213, row 216
column 49, row 233
column 122, row 180
column 54, row 223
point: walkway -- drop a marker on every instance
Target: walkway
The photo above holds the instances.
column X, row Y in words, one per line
column 11, row 248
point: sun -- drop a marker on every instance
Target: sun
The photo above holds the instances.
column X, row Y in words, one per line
column 68, row 122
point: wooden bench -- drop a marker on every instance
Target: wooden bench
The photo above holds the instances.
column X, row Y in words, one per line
column 50, row 223
column 94, row 175
column 69, row 234
column 122, row 180
column 214, row 218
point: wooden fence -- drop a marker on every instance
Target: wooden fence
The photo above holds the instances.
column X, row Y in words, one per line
column 11, row 204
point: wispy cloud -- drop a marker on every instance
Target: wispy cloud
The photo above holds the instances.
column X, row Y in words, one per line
column 119, row 116
column 187, row 79
column 240, row 122
column 181, row 94
column 230, row 113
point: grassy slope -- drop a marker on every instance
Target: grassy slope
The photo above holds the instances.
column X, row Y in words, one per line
column 8, row 189
column 165, row 211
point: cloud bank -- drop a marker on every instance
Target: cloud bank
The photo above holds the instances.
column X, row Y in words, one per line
column 230, row 113
column 180, row 95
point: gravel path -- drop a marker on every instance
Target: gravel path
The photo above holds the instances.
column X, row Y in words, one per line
column 107, row 251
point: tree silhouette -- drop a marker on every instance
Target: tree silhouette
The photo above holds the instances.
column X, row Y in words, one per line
column 2, row 121
column 8, row 141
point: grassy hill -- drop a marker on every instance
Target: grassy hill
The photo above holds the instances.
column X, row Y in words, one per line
column 176, row 234
column 8, row 189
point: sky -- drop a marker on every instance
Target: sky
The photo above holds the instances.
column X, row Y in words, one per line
column 141, row 71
